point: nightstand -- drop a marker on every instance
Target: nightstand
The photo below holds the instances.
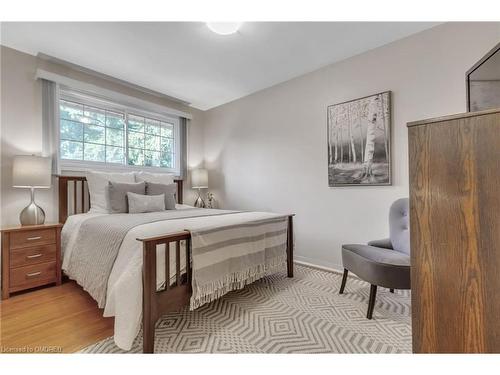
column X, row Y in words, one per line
column 31, row 257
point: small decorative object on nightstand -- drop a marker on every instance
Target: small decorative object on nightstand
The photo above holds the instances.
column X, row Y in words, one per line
column 199, row 180
column 31, row 172
column 210, row 200
column 31, row 257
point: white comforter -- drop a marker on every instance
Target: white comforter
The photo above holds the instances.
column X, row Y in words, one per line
column 124, row 289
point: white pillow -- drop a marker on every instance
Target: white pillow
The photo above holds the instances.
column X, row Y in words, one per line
column 98, row 181
column 155, row 178
column 139, row 203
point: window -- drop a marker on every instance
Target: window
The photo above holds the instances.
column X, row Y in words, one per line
column 93, row 134
column 150, row 142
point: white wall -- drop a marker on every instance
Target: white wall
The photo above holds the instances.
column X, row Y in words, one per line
column 268, row 151
column 21, row 127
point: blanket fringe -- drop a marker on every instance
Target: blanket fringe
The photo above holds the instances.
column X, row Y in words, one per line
column 237, row 280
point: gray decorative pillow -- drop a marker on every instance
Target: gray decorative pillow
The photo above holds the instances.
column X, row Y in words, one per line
column 117, row 195
column 138, row 203
column 169, row 191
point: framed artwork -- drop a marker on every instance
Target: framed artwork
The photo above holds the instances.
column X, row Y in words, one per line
column 359, row 142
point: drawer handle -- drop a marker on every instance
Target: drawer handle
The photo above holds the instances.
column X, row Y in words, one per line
column 33, row 274
column 33, row 238
column 33, row 256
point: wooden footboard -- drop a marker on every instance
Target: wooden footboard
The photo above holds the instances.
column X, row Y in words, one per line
column 174, row 296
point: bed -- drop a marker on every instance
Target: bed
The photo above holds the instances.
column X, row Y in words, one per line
column 141, row 280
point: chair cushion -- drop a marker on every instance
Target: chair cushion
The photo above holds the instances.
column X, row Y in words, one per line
column 399, row 225
column 378, row 266
column 379, row 254
column 385, row 243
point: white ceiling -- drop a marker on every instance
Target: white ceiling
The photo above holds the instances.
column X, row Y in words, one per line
column 188, row 61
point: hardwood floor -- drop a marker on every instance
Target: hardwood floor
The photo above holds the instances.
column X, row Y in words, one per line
column 55, row 319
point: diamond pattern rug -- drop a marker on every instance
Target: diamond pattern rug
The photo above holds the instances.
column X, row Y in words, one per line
column 304, row 314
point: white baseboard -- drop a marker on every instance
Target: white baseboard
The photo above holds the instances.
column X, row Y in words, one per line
column 325, row 266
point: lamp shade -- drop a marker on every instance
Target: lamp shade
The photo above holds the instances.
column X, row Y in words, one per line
column 199, row 178
column 31, row 171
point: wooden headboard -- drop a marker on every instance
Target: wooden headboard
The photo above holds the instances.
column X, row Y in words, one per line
column 74, row 197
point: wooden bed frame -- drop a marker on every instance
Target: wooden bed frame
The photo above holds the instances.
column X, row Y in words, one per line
column 74, row 198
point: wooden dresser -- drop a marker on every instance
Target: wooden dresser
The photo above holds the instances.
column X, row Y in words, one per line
column 455, row 233
column 31, row 257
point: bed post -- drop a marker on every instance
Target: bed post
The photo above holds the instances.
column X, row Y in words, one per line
column 149, row 310
column 63, row 199
column 180, row 191
column 289, row 247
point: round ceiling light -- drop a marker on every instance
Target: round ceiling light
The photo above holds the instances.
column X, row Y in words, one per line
column 224, row 28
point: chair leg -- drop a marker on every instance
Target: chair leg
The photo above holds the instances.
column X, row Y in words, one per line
column 371, row 301
column 344, row 280
column 391, row 290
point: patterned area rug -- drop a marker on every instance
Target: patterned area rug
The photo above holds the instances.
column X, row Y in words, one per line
column 281, row 315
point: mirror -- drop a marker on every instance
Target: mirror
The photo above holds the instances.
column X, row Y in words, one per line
column 483, row 82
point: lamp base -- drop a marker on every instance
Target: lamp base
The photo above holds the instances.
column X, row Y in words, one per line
column 32, row 214
column 199, row 202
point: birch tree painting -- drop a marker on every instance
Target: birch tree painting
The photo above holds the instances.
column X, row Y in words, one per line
column 359, row 141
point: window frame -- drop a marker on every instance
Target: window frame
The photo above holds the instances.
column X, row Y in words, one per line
column 105, row 104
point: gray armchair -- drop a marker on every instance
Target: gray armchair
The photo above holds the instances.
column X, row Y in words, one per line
column 384, row 262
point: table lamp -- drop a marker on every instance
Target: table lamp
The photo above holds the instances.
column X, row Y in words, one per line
column 199, row 180
column 32, row 172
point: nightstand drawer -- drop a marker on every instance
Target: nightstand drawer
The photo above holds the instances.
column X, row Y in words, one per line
column 32, row 276
column 32, row 255
column 32, row 237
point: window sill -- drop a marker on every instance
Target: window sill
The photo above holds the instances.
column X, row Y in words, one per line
column 78, row 166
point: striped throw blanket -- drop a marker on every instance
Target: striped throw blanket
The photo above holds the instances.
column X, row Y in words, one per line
column 226, row 258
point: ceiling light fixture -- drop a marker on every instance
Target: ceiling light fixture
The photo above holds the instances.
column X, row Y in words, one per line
column 224, row 28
